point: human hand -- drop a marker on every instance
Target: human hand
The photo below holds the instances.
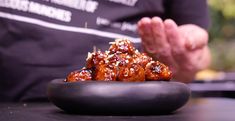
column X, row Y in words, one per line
column 184, row 48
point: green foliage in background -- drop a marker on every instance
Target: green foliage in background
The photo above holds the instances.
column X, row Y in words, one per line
column 222, row 34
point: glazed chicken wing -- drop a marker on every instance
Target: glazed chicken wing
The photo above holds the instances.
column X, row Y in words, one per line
column 79, row 75
column 131, row 73
column 122, row 62
column 104, row 72
column 157, row 71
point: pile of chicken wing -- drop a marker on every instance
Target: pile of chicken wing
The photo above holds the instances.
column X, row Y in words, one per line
column 122, row 62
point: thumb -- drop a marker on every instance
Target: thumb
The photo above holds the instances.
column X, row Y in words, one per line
column 195, row 36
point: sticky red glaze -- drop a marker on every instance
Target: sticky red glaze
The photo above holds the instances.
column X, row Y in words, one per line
column 122, row 62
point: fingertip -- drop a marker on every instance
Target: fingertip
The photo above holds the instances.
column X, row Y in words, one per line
column 157, row 25
column 157, row 20
column 145, row 20
column 170, row 24
column 144, row 26
column 171, row 29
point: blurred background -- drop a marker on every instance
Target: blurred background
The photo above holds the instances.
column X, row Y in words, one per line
column 222, row 34
column 222, row 37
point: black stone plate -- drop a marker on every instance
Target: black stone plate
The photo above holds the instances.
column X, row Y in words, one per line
column 110, row 97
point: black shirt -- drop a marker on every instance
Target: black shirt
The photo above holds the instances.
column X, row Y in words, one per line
column 41, row 40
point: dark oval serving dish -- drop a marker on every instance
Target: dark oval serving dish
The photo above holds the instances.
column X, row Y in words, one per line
column 111, row 97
